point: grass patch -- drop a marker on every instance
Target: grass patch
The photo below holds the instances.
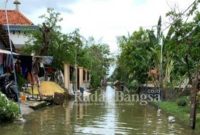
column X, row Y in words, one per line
column 180, row 112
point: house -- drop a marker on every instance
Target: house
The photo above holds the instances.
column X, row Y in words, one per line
column 19, row 25
column 82, row 79
column 4, row 40
column 4, row 48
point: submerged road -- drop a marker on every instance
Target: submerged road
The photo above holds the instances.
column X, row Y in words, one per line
column 109, row 118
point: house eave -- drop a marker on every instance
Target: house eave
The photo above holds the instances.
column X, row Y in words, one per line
column 20, row 27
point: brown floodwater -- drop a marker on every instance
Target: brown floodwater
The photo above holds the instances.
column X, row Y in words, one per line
column 97, row 119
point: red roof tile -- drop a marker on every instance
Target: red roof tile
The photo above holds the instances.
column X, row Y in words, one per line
column 14, row 18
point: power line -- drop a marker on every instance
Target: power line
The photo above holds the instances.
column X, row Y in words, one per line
column 181, row 14
column 169, row 24
column 189, row 6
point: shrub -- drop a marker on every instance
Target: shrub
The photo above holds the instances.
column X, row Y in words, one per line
column 198, row 100
column 182, row 101
column 8, row 109
column 20, row 81
column 133, row 86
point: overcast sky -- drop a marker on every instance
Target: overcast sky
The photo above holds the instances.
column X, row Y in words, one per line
column 102, row 19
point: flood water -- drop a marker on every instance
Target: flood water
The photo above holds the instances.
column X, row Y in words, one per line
column 97, row 119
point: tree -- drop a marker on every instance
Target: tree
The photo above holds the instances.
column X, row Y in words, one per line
column 136, row 56
column 181, row 57
column 68, row 48
column 99, row 62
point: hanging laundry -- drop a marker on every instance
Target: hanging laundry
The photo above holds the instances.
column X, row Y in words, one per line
column 26, row 64
column 18, row 68
column 7, row 63
column 1, row 69
column 1, row 58
column 1, row 63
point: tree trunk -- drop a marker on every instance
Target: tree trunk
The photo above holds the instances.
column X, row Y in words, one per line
column 193, row 99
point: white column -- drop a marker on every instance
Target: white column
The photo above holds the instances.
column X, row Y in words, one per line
column 67, row 76
column 81, row 76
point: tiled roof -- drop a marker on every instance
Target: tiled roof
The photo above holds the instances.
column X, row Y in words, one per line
column 14, row 18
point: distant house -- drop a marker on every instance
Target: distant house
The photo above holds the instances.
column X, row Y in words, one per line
column 19, row 26
column 82, row 79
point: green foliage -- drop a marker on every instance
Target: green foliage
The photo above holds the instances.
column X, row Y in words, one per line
column 99, row 62
column 70, row 48
column 60, row 45
column 8, row 109
column 140, row 51
column 20, row 81
column 133, row 86
column 182, row 101
column 136, row 56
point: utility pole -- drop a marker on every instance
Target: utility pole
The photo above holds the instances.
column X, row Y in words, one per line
column 12, row 58
column 161, row 70
column 160, row 42
column 75, row 69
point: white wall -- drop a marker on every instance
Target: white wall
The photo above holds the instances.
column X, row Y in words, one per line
column 19, row 39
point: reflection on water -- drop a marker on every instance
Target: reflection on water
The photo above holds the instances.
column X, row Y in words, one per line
column 95, row 119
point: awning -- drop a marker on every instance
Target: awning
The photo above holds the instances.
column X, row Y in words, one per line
column 7, row 52
column 45, row 59
column 20, row 27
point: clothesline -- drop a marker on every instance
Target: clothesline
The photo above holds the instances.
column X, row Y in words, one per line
column 26, row 61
